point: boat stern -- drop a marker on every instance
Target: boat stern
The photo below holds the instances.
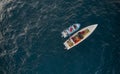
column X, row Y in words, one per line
column 64, row 34
column 68, row 44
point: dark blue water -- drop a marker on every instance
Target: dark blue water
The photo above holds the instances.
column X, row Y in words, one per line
column 31, row 43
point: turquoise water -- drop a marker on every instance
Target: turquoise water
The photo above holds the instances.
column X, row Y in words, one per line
column 31, row 43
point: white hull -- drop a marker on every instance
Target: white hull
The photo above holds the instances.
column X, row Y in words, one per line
column 91, row 28
column 70, row 30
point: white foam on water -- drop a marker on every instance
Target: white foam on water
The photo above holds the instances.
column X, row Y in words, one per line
column 1, row 36
column 3, row 53
column 2, row 5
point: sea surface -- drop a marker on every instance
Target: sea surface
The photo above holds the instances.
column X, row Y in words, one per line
column 31, row 43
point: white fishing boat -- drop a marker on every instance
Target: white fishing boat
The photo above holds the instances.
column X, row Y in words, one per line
column 79, row 36
column 70, row 30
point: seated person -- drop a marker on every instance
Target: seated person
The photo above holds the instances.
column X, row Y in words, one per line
column 75, row 26
column 70, row 43
column 83, row 33
column 76, row 38
column 80, row 35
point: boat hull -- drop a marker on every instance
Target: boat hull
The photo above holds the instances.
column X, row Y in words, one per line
column 67, row 32
column 71, row 42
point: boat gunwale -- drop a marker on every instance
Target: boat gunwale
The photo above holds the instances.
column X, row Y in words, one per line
column 88, row 27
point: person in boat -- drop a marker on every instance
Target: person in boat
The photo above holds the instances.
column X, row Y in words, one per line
column 76, row 38
column 84, row 32
column 70, row 43
column 70, row 29
column 75, row 26
column 80, row 35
